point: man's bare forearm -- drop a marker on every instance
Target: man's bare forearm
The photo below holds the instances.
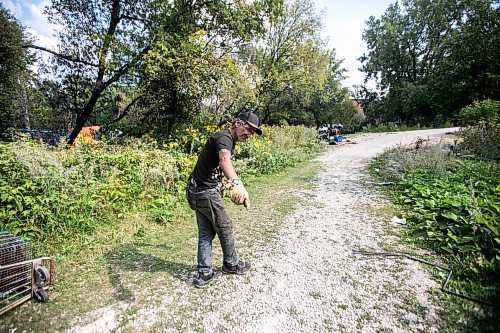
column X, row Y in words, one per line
column 226, row 165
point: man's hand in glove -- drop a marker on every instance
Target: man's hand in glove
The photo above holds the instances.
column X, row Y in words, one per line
column 225, row 186
column 239, row 194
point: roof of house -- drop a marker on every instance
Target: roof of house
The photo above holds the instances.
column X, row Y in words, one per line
column 357, row 104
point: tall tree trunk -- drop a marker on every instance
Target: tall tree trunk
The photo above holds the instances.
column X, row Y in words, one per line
column 99, row 85
column 82, row 117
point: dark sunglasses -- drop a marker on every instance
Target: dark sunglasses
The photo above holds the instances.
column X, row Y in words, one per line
column 249, row 128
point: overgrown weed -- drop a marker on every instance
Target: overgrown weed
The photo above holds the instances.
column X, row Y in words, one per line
column 57, row 196
column 453, row 208
column 481, row 140
column 404, row 161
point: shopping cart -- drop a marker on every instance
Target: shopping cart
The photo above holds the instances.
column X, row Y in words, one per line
column 21, row 277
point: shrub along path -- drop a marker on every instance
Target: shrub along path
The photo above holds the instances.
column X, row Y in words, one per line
column 299, row 234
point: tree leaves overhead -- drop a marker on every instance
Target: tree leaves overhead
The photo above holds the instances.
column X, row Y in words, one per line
column 293, row 64
column 430, row 58
column 406, row 43
column 191, row 62
column 101, row 34
column 14, row 61
column 148, row 66
column 158, row 48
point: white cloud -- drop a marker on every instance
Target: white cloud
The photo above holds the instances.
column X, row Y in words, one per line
column 39, row 23
column 15, row 8
column 38, row 27
column 43, row 40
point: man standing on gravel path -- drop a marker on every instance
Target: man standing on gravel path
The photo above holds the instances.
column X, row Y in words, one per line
column 204, row 193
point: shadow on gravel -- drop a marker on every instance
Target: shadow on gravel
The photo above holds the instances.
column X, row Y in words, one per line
column 141, row 258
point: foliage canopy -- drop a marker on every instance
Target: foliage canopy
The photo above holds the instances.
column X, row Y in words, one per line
column 14, row 59
column 153, row 66
column 431, row 58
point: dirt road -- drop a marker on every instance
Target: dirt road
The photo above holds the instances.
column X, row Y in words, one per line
column 308, row 279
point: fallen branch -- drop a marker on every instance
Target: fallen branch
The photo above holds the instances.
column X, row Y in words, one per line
column 445, row 283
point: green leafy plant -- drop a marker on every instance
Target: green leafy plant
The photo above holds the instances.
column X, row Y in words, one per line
column 56, row 196
column 480, row 111
column 453, row 208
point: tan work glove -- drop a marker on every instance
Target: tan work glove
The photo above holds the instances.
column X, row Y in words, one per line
column 225, row 186
column 239, row 195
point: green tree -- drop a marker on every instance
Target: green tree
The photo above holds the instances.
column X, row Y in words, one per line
column 196, row 59
column 480, row 111
column 328, row 101
column 103, row 43
column 290, row 61
column 109, row 43
column 14, row 60
column 471, row 70
column 430, row 58
column 369, row 99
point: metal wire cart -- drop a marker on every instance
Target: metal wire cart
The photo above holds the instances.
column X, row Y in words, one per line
column 21, row 277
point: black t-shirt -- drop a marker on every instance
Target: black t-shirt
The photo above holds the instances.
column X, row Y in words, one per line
column 207, row 172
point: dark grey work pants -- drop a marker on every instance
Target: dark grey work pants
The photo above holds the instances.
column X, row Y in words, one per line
column 212, row 220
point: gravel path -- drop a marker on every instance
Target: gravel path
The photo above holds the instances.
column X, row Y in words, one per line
column 309, row 280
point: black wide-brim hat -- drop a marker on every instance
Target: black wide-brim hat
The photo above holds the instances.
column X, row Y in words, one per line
column 251, row 119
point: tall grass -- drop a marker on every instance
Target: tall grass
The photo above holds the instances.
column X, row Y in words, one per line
column 56, row 195
column 481, row 140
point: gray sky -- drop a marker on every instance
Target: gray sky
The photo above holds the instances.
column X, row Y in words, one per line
column 343, row 19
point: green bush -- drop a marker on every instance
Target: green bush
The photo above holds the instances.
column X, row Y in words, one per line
column 57, row 194
column 279, row 148
column 482, row 140
column 481, row 132
column 480, row 111
column 455, row 207
column 36, row 206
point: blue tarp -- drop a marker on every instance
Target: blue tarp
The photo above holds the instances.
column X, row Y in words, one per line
column 48, row 137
